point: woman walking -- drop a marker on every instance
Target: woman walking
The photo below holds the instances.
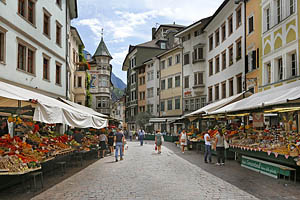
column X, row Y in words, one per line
column 220, row 147
column 158, row 141
column 111, row 141
column 183, row 140
column 102, row 144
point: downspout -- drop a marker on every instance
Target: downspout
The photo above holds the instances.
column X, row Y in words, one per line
column 245, row 43
column 67, row 78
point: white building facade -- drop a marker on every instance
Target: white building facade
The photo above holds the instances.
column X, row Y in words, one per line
column 280, row 43
column 33, row 44
column 225, row 47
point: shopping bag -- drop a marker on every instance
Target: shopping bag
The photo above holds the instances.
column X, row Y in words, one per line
column 162, row 139
column 155, row 148
column 226, row 145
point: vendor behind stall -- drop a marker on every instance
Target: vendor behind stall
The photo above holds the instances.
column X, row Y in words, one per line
column 78, row 136
column 3, row 128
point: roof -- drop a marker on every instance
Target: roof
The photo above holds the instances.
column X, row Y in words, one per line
column 102, row 50
column 170, row 26
column 151, row 44
column 197, row 23
column 276, row 96
column 73, row 29
column 217, row 12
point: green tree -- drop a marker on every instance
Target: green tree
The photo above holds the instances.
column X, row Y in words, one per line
column 142, row 119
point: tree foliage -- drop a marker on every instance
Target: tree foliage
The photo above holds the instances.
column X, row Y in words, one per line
column 142, row 119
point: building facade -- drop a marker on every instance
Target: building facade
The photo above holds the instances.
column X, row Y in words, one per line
column 280, row 43
column 194, row 42
column 225, row 57
column 100, row 83
column 33, row 44
column 141, row 88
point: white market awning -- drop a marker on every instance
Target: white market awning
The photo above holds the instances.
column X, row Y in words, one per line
column 218, row 104
column 275, row 96
column 163, row 120
column 47, row 109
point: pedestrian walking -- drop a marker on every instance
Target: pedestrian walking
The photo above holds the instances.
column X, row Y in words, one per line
column 102, row 145
column 130, row 135
column 220, row 148
column 111, row 141
column 158, row 141
column 207, row 154
column 141, row 136
column 119, row 140
column 183, row 140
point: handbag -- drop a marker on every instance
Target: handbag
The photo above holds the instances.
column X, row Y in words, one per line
column 162, row 139
column 155, row 148
column 226, row 145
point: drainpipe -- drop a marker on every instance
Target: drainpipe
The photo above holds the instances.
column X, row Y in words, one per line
column 67, row 46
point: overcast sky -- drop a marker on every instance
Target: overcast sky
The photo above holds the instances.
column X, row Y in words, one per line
column 129, row 22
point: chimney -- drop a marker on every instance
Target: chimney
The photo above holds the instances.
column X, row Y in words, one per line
column 153, row 32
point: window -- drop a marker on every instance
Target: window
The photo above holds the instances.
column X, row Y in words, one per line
column 177, row 104
column 230, row 25
column 31, row 9
column 142, row 95
column 250, row 24
column 170, row 104
column 210, row 94
column 217, row 92
column 142, row 80
column 163, row 84
column 292, row 6
column 21, row 57
column 186, row 105
column 162, row 106
column 170, row 61
column 224, row 32
column 186, row 58
column 74, row 81
column 217, row 64
column 58, row 34
column 192, row 104
column 79, row 83
column 2, row 45
column 198, row 104
column 210, row 67
column 224, row 90
column 280, row 69
column 26, row 58
column 177, row 59
column 230, row 55
column 239, row 83
column 150, row 92
column 150, row 76
column 170, row 80
column 211, row 42
column 177, row 81
column 58, row 74
column 46, row 69
column 294, row 64
column 46, row 24
column 186, row 82
column 217, row 35
column 21, row 7
column 198, row 78
column 224, row 60
column 163, row 64
column 188, row 36
column 268, row 18
column 278, row 11
column 203, row 102
column 268, row 73
column 150, row 108
column 231, row 87
column 238, row 50
column 238, row 17
column 198, row 54
column 163, row 45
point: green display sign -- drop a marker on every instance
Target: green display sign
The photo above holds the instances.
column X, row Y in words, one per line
column 267, row 168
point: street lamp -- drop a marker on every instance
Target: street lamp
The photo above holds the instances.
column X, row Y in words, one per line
column 245, row 40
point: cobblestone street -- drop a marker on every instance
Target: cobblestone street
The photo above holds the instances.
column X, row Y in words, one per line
column 143, row 174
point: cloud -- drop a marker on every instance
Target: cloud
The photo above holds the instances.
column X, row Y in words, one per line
column 117, row 63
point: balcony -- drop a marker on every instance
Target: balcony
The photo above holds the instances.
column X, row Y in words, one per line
column 100, row 90
column 199, row 89
column 105, row 111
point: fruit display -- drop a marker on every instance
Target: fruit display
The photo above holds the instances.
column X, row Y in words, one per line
column 12, row 164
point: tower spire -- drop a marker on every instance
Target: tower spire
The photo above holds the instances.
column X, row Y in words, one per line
column 102, row 33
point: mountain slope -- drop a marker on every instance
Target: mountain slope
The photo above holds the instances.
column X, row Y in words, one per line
column 117, row 82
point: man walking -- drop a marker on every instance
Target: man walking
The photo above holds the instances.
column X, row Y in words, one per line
column 141, row 136
column 119, row 140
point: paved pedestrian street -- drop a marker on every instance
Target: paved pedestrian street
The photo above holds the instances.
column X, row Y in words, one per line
column 143, row 174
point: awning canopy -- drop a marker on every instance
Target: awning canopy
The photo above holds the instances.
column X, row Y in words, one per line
column 47, row 109
column 272, row 97
column 163, row 120
column 81, row 107
column 219, row 104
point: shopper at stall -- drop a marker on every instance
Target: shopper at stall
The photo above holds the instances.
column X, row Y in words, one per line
column 158, row 141
column 78, row 136
column 3, row 128
column 207, row 154
column 119, row 140
column 183, row 140
column 111, row 141
column 220, row 147
column 130, row 135
column 102, row 144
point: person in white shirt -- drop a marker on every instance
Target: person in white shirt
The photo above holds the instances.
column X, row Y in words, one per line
column 207, row 154
column 183, row 140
